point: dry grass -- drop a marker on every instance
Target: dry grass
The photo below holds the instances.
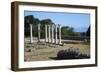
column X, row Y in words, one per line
column 49, row 51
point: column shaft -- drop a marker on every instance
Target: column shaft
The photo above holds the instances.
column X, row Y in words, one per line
column 59, row 34
column 49, row 39
column 46, row 33
column 56, row 40
column 52, row 40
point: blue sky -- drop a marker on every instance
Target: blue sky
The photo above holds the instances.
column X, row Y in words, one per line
column 79, row 21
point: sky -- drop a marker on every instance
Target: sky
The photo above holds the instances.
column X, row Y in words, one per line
column 79, row 21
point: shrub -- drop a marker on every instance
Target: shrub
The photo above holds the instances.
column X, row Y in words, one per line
column 71, row 54
column 67, row 54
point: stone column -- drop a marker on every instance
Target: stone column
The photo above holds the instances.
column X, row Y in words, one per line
column 31, row 38
column 38, row 32
column 52, row 39
column 59, row 34
column 49, row 38
column 56, row 40
column 46, row 39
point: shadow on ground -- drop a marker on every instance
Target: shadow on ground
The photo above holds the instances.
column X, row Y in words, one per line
column 70, row 54
column 56, row 58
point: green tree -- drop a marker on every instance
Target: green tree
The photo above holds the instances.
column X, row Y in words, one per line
column 88, row 32
column 30, row 19
column 36, row 21
column 43, row 23
column 69, row 31
column 27, row 20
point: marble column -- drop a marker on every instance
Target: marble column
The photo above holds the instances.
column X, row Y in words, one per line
column 56, row 40
column 46, row 38
column 52, row 39
column 59, row 34
column 31, row 38
column 38, row 32
column 49, row 38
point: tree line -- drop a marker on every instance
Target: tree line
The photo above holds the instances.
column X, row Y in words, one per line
column 65, row 30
